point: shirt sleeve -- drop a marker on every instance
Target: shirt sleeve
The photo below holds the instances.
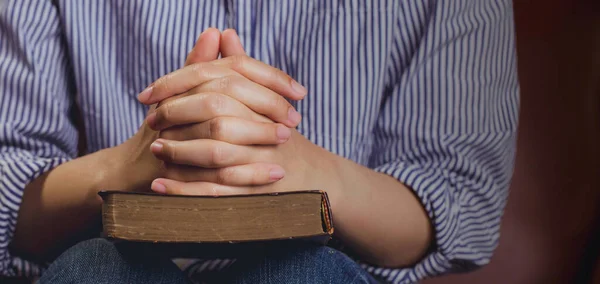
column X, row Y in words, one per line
column 447, row 127
column 36, row 95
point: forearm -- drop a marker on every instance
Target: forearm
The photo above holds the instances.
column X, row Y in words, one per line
column 379, row 217
column 61, row 206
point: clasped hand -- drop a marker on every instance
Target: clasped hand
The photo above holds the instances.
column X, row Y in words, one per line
column 226, row 127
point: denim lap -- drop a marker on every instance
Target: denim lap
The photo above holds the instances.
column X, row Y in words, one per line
column 302, row 264
column 100, row 261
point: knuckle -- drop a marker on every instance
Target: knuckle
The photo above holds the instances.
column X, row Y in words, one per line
column 238, row 62
column 216, row 104
column 237, row 79
column 224, row 83
column 216, row 128
column 279, row 103
column 273, row 129
column 196, row 67
column 227, row 84
column 200, row 70
column 165, row 111
column 224, row 176
column 217, row 156
column 170, row 152
column 197, row 131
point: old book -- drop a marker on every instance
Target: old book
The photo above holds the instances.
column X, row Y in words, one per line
column 215, row 226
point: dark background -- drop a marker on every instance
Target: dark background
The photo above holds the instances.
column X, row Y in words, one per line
column 551, row 229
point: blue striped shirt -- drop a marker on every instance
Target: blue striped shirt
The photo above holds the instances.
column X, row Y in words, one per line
column 423, row 90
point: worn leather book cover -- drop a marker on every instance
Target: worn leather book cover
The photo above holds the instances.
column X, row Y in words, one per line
column 215, row 226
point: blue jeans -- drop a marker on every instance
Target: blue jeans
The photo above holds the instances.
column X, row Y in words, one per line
column 100, row 261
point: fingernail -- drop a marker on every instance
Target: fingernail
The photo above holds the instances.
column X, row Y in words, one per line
column 151, row 120
column 293, row 116
column 301, row 90
column 283, row 133
column 158, row 187
column 145, row 94
column 156, row 146
column 276, row 174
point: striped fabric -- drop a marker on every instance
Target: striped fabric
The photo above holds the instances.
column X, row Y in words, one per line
column 423, row 90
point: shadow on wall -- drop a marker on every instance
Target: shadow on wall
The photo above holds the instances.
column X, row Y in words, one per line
column 551, row 228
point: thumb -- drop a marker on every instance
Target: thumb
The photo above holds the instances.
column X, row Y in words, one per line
column 231, row 44
column 206, row 47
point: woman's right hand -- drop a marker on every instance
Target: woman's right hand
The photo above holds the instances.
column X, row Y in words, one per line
column 134, row 164
column 235, row 86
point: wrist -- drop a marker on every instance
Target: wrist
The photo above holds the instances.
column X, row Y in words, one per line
column 130, row 167
column 101, row 174
column 330, row 176
column 348, row 191
column 111, row 170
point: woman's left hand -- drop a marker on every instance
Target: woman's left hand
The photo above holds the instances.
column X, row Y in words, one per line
column 232, row 149
column 215, row 167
